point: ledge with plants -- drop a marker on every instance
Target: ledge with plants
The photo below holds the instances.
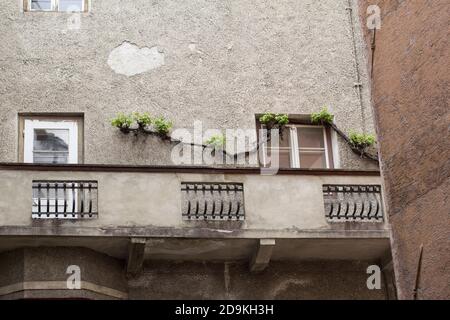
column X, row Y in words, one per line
column 136, row 122
column 360, row 143
column 143, row 123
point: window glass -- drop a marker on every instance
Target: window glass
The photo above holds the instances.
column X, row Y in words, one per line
column 51, row 146
column 300, row 146
column 284, row 141
column 285, row 138
column 310, row 137
column 283, row 150
column 50, row 157
column 41, row 4
column 70, row 5
column 313, row 160
column 51, row 139
column 284, row 157
column 311, row 145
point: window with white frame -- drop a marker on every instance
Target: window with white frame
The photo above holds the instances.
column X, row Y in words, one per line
column 47, row 141
column 57, row 5
column 301, row 146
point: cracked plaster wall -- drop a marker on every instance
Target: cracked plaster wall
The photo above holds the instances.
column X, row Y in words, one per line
column 220, row 62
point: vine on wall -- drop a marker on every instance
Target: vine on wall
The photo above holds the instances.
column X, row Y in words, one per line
column 137, row 123
column 360, row 143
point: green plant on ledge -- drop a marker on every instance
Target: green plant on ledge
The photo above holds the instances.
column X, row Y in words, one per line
column 322, row 117
column 122, row 121
column 127, row 123
column 282, row 119
column 361, row 141
column 142, row 119
column 162, row 126
column 358, row 142
column 216, row 142
column 271, row 120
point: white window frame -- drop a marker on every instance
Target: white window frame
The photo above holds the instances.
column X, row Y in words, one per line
column 294, row 146
column 28, row 142
column 55, row 7
column 265, row 149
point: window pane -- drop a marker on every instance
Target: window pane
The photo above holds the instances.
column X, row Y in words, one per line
column 313, row 160
column 50, row 157
column 284, row 141
column 51, row 140
column 70, row 5
column 284, row 159
column 41, row 4
column 309, row 137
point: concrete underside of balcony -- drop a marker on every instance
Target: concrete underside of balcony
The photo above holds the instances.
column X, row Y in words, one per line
column 182, row 249
column 41, row 272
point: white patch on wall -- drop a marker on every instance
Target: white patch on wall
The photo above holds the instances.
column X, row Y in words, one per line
column 128, row 59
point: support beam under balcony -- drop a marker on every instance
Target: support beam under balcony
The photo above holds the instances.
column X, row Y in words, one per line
column 262, row 255
column 135, row 261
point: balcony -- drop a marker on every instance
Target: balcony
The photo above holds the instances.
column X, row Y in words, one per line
column 64, row 199
column 194, row 213
column 353, row 203
column 212, row 201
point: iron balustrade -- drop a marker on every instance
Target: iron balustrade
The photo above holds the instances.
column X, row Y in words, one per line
column 212, row 201
column 353, row 202
column 65, row 199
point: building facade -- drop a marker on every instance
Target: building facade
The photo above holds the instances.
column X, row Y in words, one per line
column 410, row 59
column 138, row 220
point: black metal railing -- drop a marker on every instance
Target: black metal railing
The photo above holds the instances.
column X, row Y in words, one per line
column 212, row 201
column 65, row 199
column 353, row 202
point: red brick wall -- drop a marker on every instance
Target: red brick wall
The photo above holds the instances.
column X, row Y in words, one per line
column 410, row 94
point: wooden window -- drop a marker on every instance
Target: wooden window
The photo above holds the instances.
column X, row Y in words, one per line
column 301, row 146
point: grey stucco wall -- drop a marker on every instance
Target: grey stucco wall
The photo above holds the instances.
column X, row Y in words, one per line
column 43, row 272
column 281, row 280
column 224, row 61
